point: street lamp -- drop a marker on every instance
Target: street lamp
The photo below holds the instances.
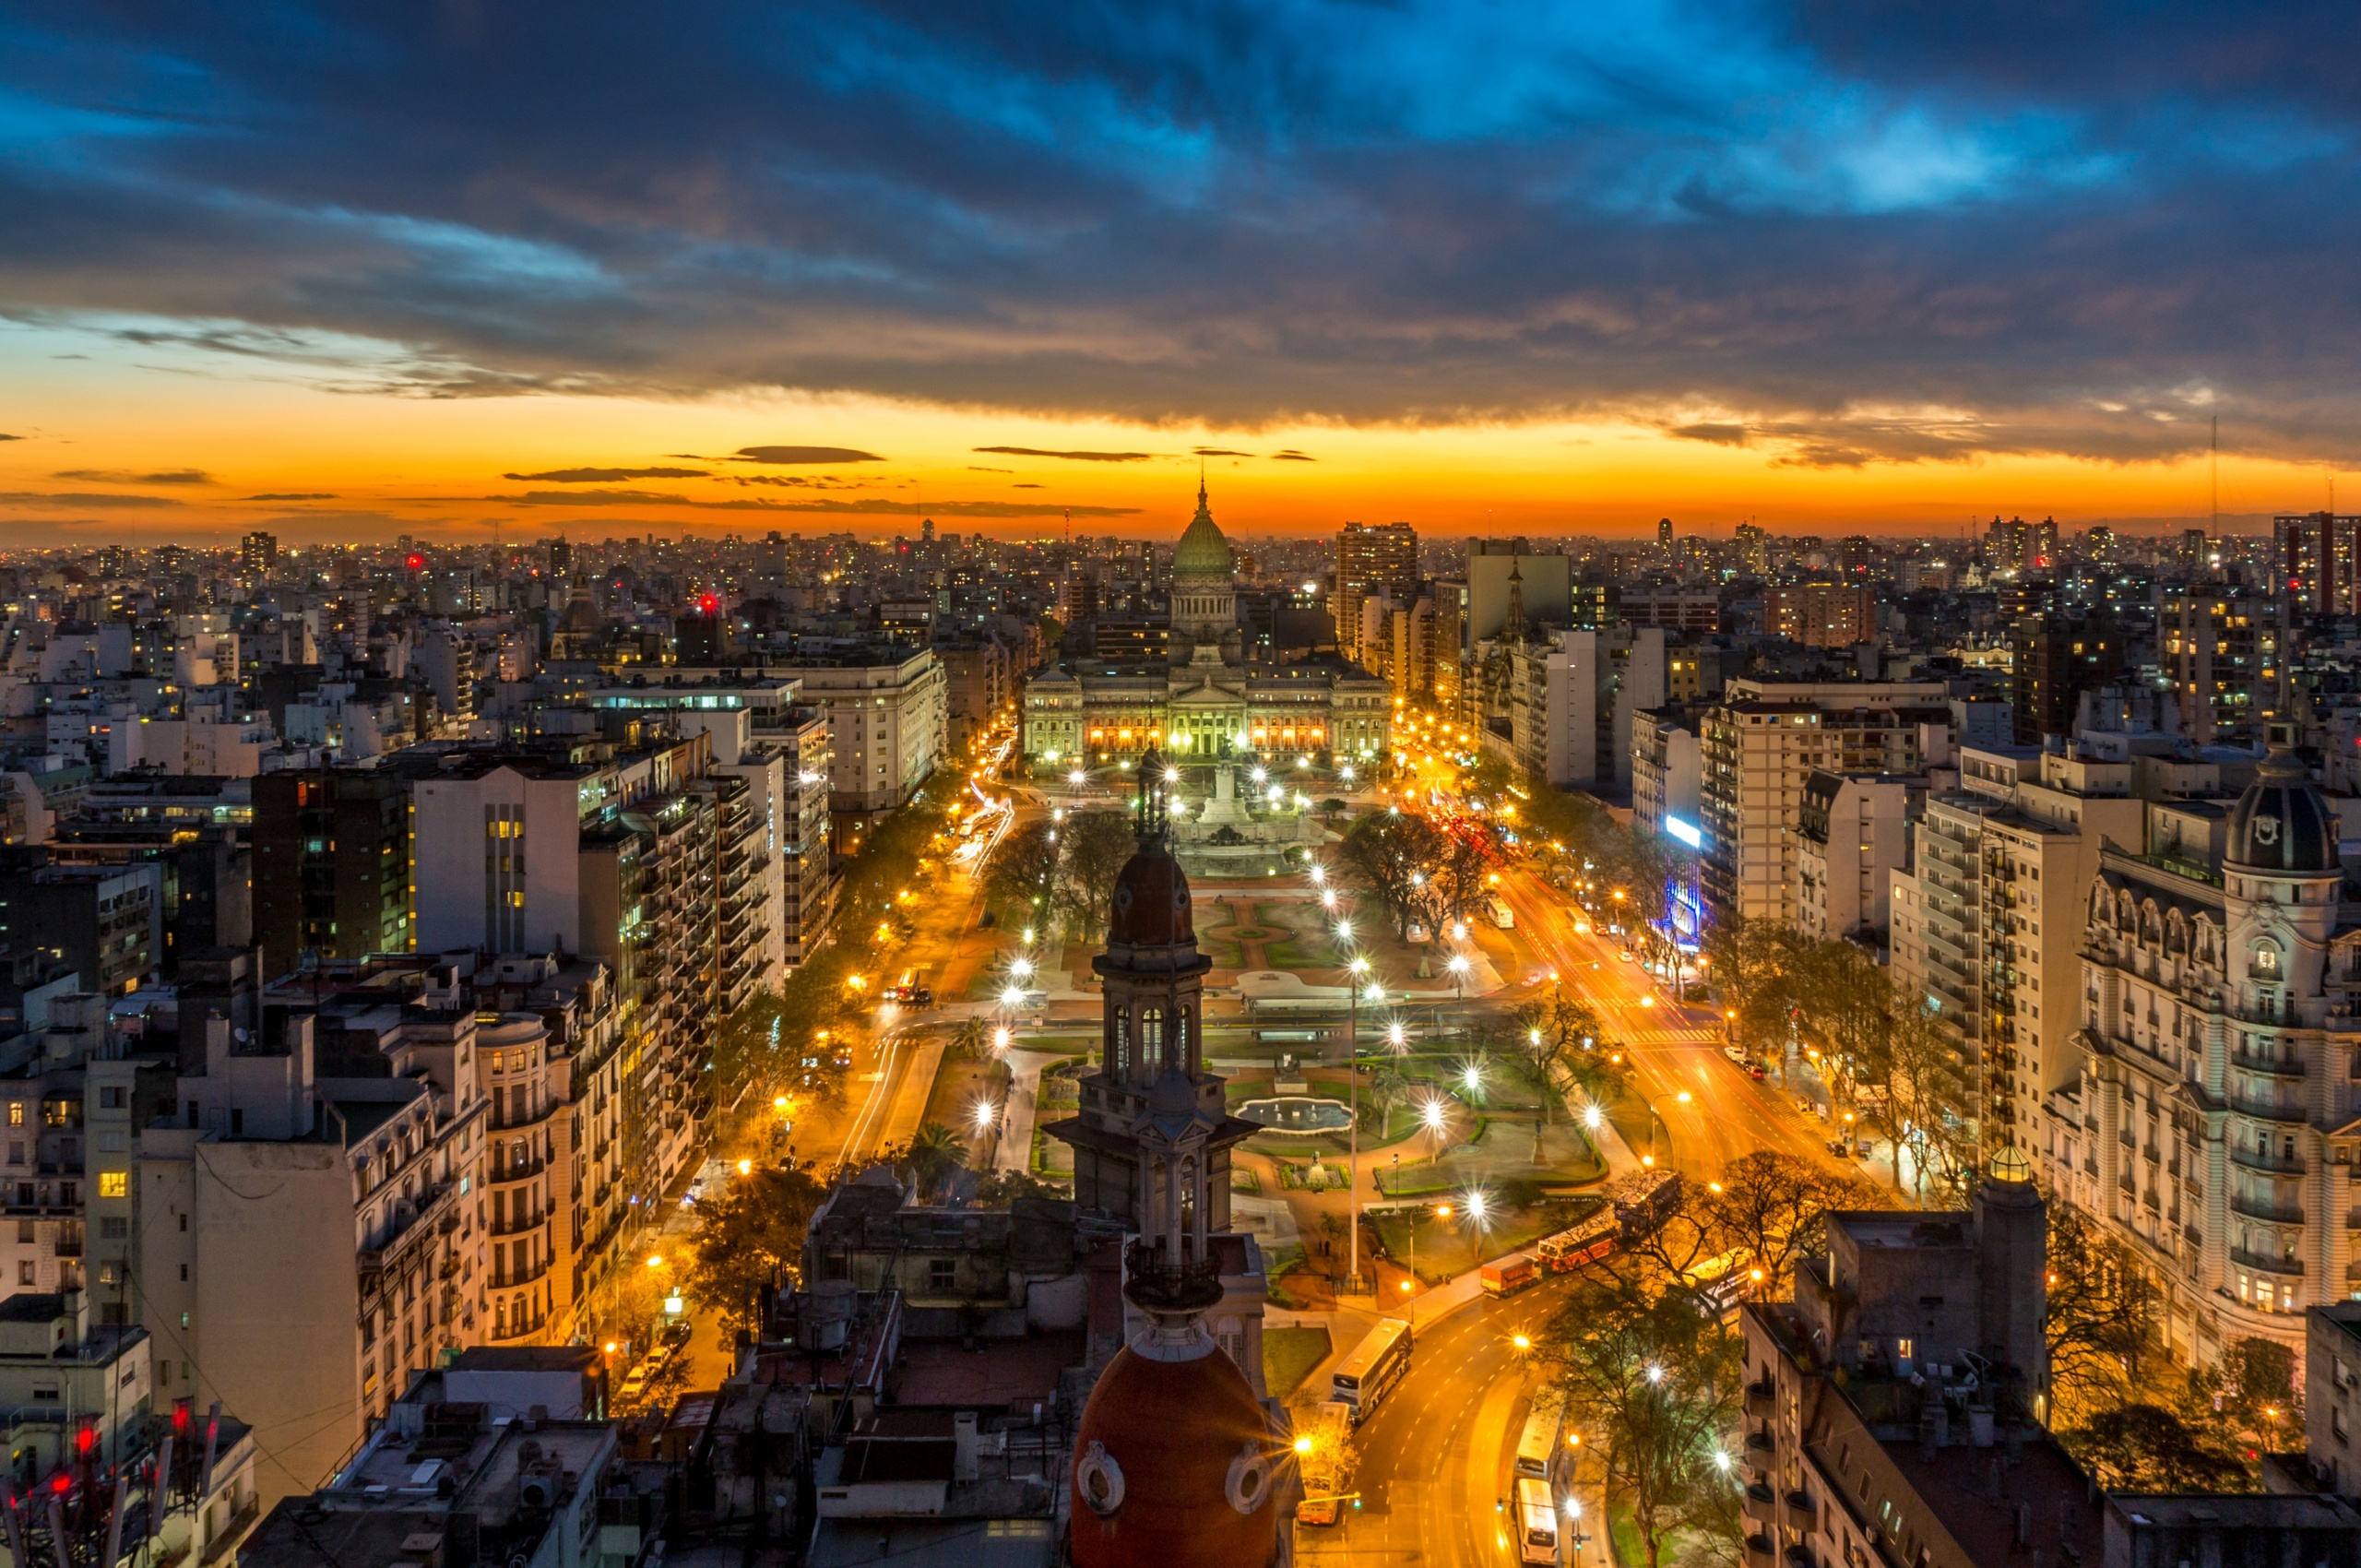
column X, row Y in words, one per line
column 1458, row 968
column 1357, row 969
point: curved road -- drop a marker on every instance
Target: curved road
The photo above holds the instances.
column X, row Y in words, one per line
column 1435, row 1458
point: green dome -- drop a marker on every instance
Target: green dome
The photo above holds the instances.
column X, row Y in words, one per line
column 1203, row 551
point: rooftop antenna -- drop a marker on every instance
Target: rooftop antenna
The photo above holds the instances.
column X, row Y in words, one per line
column 2214, row 479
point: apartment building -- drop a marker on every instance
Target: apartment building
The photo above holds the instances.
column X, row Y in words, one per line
column 1763, row 740
column 1985, row 920
column 306, row 1242
column 1822, row 614
column 1373, row 560
column 2210, row 1127
column 1575, row 698
column 1664, row 774
column 1674, row 609
column 888, row 723
column 2223, row 650
column 1893, row 1407
column 331, row 864
column 1852, row 834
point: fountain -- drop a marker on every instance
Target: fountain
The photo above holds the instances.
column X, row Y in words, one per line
column 1297, row 1114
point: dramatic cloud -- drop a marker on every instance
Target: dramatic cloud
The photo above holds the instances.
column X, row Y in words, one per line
column 129, row 476
column 1292, row 455
column 806, row 455
column 80, row 498
column 1853, row 232
column 763, row 504
column 1070, row 457
column 295, row 495
column 11, row 438
column 605, row 476
column 1216, row 452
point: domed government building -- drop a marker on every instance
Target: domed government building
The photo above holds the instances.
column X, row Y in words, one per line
column 1203, row 698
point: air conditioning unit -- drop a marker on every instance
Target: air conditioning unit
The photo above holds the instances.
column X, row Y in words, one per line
column 537, row 1489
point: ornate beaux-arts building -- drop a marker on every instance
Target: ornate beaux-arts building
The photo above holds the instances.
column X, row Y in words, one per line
column 1205, row 702
column 2216, row 1125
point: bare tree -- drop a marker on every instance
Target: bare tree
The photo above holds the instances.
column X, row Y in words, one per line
column 1654, row 1384
column 1093, row 848
column 1391, row 856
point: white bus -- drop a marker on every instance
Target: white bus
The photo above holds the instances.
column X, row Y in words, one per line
column 1376, row 1364
column 1536, row 1520
column 1540, row 1452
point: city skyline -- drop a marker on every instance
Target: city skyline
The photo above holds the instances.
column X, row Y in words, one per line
column 1557, row 275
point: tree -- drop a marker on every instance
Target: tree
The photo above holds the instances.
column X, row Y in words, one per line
column 1455, row 878
column 1093, row 849
column 1021, row 875
column 2143, row 1448
column 1559, row 1035
column 2100, row 1316
column 932, row 1155
column 749, row 1235
column 1924, row 1108
column 2260, row 1389
column 1001, row 1189
column 1773, row 1209
column 1652, row 1383
column 970, row 1040
column 1389, row 855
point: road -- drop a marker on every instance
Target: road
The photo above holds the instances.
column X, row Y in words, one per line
column 1435, row 1458
column 1673, row 1050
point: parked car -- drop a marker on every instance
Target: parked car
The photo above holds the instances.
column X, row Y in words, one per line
column 1735, row 1054
column 1754, row 1069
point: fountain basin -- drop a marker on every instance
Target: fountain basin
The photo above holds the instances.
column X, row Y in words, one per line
column 1297, row 1114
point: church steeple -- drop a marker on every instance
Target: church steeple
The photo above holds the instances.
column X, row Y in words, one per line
column 1516, row 603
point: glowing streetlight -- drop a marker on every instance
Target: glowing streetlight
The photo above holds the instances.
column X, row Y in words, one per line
column 1591, row 1117
column 1655, row 1373
column 1319, row 875
column 1344, row 931
column 1011, row 997
column 1000, row 1037
column 1075, row 776
column 1395, row 1035
column 745, row 1167
column 983, row 1116
column 1022, row 968
column 1327, row 897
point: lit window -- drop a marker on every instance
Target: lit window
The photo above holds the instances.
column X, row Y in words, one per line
column 115, row 1184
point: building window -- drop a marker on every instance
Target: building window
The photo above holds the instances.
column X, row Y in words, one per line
column 115, row 1184
column 942, row 1274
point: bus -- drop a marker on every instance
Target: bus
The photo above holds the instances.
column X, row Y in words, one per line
column 1643, row 1200
column 1716, row 1283
column 1580, row 1243
column 1540, row 1450
column 1506, row 1277
column 1536, row 1518
column 1502, row 916
column 1370, row 1374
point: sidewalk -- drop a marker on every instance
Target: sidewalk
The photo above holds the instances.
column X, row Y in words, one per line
column 1014, row 1151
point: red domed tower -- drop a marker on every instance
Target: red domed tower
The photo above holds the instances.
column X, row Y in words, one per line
column 1179, row 1461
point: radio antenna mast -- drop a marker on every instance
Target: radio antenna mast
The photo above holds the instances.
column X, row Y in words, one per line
column 2214, row 479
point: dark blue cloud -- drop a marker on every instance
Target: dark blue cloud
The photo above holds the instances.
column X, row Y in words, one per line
column 1835, row 230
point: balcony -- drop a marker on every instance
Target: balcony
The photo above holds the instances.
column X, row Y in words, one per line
column 1757, row 1504
column 2255, row 1207
column 2266, row 1110
column 2291, row 1267
column 1762, row 1397
column 2280, row 1069
column 506, row 1279
column 2263, row 1159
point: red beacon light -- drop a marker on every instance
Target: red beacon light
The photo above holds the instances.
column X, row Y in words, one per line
column 710, row 604
column 415, row 561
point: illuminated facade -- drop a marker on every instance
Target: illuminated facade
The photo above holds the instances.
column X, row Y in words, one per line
column 1215, row 704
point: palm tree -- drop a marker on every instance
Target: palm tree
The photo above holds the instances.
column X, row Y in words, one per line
column 968, row 1042
column 932, row 1155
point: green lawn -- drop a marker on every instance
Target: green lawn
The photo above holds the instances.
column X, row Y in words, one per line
column 1289, row 1355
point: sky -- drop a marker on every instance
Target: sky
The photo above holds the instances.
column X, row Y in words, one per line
column 473, row 270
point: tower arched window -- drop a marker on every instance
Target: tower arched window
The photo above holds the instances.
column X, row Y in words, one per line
column 1152, row 1037
column 1119, row 1042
